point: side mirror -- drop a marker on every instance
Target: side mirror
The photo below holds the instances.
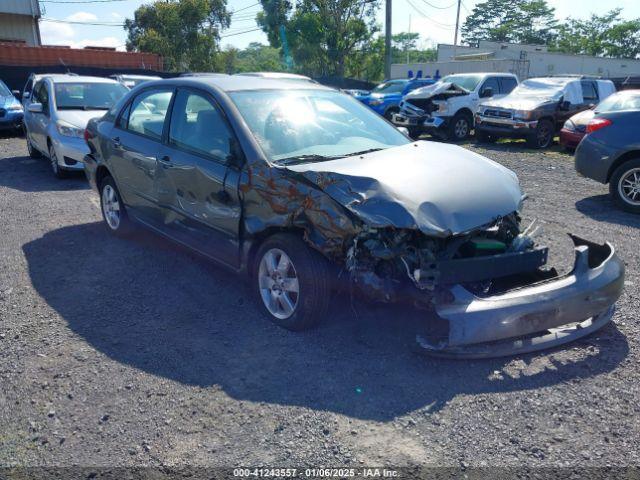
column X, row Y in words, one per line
column 486, row 92
column 236, row 155
column 35, row 108
column 26, row 95
column 16, row 93
column 565, row 105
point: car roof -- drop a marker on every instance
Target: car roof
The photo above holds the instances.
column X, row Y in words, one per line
column 276, row 75
column 235, row 83
column 128, row 75
column 79, row 79
column 483, row 74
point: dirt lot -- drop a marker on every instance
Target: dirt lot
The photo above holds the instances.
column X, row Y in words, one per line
column 135, row 352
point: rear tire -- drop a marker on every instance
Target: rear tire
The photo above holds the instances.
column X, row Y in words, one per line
column 33, row 151
column 625, row 185
column 291, row 282
column 113, row 210
column 542, row 136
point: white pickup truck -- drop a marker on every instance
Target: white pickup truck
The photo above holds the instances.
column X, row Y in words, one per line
column 446, row 109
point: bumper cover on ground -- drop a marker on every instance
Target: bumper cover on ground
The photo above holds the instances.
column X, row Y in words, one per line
column 535, row 317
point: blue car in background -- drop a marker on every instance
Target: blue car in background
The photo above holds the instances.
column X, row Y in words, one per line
column 385, row 98
column 11, row 111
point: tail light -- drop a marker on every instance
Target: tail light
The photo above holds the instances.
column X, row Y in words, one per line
column 597, row 124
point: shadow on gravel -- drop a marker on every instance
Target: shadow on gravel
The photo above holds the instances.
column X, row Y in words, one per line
column 602, row 209
column 155, row 307
column 34, row 175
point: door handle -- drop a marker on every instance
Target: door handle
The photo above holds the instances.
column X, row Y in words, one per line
column 165, row 159
column 116, row 142
column 223, row 196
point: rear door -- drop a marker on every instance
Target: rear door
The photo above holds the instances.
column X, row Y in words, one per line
column 134, row 147
column 197, row 179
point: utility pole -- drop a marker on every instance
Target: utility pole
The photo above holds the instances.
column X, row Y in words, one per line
column 455, row 38
column 387, row 41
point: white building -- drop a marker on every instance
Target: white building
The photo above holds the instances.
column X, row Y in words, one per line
column 19, row 21
column 523, row 60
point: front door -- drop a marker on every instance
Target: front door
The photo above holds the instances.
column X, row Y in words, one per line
column 37, row 122
column 197, row 180
column 135, row 145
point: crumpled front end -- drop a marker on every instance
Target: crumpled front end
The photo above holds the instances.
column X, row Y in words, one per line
column 535, row 316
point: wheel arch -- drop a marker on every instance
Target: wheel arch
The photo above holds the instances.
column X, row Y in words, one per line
column 625, row 157
column 259, row 238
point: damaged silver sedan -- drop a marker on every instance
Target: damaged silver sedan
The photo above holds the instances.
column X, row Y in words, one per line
column 309, row 192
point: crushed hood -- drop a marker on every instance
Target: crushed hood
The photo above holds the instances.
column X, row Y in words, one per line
column 438, row 188
column 433, row 90
column 518, row 103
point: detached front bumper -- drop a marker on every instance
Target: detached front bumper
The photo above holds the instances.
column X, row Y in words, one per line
column 535, row 317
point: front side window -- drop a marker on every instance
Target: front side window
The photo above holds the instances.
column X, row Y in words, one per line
column 198, row 126
column 147, row 112
column 88, row 96
column 491, row 83
column 41, row 95
column 313, row 125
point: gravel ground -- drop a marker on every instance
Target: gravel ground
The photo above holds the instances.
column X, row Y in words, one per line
column 136, row 352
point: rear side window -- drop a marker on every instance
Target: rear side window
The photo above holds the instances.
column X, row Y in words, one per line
column 198, row 126
column 146, row 114
column 508, row 84
column 589, row 92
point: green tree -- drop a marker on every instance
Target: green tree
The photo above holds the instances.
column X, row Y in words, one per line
column 320, row 34
column 518, row 21
column 605, row 35
column 185, row 32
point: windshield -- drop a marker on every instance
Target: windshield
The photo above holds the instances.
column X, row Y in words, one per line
column 88, row 96
column 544, row 88
column 396, row 86
column 313, row 125
column 619, row 101
column 468, row 82
column 4, row 90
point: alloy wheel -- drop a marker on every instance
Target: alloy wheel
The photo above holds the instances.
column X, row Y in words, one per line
column 461, row 128
column 111, row 207
column 278, row 283
column 629, row 187
column 544, row 136
column 54, row 160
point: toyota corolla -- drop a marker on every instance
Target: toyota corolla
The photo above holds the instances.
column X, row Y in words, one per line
column 307, row 191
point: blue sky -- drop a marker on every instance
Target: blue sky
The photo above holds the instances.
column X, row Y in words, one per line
column 434, row 24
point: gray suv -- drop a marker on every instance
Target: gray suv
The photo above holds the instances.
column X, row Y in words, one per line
column 57, row 110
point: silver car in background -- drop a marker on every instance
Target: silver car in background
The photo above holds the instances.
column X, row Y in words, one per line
column 56, row 114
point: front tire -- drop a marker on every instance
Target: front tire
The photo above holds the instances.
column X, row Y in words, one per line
column 291, row 282
column 543, row 135
column 460, row 127
column 58, row 172
column 625, row 186
column 113, row 210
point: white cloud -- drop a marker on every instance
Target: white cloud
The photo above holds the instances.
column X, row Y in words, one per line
column 117, row 16
column 82, row 17
column 56, row 33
